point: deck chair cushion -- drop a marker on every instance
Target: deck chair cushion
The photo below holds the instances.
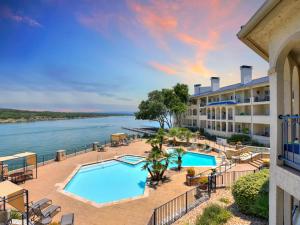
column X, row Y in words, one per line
column 67, row 219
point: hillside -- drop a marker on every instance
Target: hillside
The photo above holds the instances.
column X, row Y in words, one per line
column 14, row 115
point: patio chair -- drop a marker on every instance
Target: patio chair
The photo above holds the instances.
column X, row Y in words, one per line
column 67, row 219
column 35, row 207
column 208, row 150
column 42, row 203
column 47, row 212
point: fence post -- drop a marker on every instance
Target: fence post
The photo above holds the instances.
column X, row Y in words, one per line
column 43, row 160
column 186, row 202
column 154, row 217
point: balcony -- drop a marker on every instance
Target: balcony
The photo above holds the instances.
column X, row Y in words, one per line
column 262, row 98
column 262, row 119
column 290, row 137
column 243, row 118
column 202, row 104
column 242, row 100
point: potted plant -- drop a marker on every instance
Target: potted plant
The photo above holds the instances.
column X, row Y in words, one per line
column 203, row 183
column 190, row 175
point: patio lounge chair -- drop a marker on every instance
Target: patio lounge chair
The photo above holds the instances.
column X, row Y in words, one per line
column 35, row 207
column 47, row 212
column 67, row 219
column 208, row 150
column 42, row 203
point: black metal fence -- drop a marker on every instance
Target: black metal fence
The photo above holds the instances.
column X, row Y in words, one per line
column 46, row 158
column 176, row 208
column 179, row 206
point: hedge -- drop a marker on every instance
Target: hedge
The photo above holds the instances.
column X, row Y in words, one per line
column 251, row 194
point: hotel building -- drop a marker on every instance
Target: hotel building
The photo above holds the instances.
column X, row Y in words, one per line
column 274, row 33
column 242, row 108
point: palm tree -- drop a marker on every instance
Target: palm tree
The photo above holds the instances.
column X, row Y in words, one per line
column 173, row 133
column 157, row 139
column 187, row 135
column 157, row 163
column 179, row 152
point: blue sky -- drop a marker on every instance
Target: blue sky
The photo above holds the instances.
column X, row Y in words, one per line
column 106, row 55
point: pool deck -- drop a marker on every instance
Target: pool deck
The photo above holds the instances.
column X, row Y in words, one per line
column 130, row 212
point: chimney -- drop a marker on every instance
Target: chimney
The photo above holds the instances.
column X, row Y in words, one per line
column 246, row 74
column 197, row 89
column 215, row 83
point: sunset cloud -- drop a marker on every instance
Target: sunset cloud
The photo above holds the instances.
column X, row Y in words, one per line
column 163, row 68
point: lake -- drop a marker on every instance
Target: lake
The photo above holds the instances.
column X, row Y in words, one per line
column 46, row 137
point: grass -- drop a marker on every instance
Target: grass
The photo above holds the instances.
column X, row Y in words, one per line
column 224, row 200
column 214, row 214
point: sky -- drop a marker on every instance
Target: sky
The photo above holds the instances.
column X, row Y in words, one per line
column 106, row 55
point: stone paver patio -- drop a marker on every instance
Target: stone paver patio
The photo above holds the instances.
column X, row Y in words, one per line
column 131, row 212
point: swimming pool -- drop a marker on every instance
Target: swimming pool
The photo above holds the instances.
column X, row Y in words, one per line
column 193, row 159
column 108, row 181
column 122, row 178
column 133, row 159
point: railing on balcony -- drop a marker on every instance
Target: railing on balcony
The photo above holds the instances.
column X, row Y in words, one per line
column 230, row 117
column 202, row 104
column 243, row 100
column 261, row 98
column 290, row 141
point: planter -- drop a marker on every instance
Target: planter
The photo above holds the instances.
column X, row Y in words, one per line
column 203, row 186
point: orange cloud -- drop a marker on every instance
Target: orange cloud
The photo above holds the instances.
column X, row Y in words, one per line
column 193, row 25
column 163, row 68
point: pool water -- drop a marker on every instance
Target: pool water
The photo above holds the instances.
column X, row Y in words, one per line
column 131, row 158
column 108, row 181
column 190, row 159
column 116, row 180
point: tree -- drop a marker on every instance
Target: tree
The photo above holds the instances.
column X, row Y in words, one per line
column 163, row 105
column 173, row 133
column 157, row 139
column 157, row 163
column 180, row 106
column 179, row 152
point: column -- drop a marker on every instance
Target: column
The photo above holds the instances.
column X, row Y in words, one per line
column 287, row 206
column 276, row 108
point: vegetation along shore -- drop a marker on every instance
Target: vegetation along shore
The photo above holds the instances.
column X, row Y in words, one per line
column 15, row 116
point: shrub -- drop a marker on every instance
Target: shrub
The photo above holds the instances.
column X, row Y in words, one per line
column 210, row 136
column 15, row 215
column 239, row 138
column 251, row 193
column 191, row 172
column 224, row 200
column 203, row 180
column 214, row 214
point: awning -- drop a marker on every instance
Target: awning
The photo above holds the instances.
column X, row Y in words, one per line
column 13, row 195
column 118, row 136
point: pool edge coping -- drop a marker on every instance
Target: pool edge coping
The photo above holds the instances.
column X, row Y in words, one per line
column 61, row 186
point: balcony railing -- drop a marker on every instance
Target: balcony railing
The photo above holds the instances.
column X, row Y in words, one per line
column 245, row 100
column 290, row 141
column 261, row 98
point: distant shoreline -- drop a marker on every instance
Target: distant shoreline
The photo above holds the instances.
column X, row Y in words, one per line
column 23, row 116
column 22, row 120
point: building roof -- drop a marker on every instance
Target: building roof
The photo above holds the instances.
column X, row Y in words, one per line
column 235, row 86
column 254, row 21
